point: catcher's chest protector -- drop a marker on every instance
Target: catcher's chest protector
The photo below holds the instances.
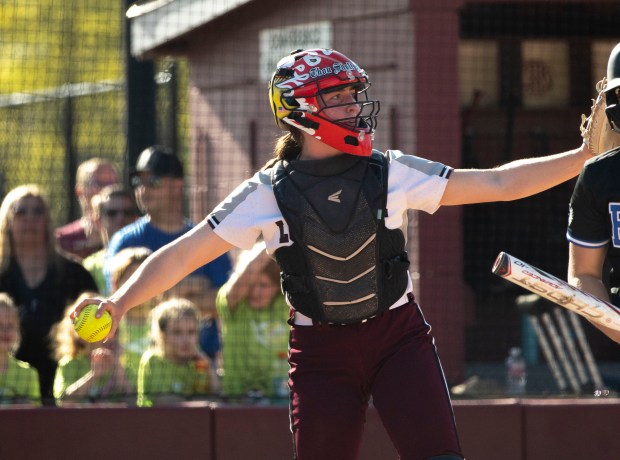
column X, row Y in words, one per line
column 344, row 266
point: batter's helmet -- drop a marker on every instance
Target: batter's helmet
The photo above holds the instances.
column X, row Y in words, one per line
column 296, row 94
column 612, row 89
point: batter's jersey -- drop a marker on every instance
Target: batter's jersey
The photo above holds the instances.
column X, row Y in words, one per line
column 251, row 210
column 594, row 213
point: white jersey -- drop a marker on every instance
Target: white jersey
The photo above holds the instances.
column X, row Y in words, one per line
column 251, row 211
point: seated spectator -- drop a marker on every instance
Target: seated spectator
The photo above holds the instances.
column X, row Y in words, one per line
column 196, row 288
column 255, row 334
column 88, row 372
column 174, row 370
column 81, row 238
column 41, row 281
column 134, row 332
column 19, row 383
column 112, row 209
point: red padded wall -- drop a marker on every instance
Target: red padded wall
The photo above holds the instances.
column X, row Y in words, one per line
column 506, row 429
column 572, row 430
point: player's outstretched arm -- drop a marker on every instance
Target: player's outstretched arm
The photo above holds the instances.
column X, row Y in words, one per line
column 585, row 271
column 513, row 180
column 160, row 271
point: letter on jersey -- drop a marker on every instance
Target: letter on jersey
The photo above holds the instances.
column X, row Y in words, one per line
column 614, row 211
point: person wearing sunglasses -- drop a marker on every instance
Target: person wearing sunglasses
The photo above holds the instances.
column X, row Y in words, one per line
column 158, row 183
column 81, row 237
column 41, row 280
column 113, row 208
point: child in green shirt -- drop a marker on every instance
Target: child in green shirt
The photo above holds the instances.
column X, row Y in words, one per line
column 255, row 332
column 133, row 334
column 88, row 372
column 19, row 383
column 174, row 370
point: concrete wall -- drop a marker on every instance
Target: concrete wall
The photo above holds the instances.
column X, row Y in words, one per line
column 506, row 429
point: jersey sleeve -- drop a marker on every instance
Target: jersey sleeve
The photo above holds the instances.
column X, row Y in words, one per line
column 241, row 217
column 588, row 224
column 415, row 182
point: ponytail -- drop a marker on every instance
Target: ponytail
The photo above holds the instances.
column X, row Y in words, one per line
column 288, row 147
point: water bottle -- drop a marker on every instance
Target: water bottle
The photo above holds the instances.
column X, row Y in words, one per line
column 516, row 372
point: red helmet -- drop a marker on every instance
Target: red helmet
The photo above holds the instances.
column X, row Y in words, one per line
column 299, row 83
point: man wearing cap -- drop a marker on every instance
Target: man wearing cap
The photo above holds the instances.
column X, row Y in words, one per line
column 158, row 185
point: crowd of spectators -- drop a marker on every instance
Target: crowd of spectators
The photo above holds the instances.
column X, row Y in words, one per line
column 218, row 334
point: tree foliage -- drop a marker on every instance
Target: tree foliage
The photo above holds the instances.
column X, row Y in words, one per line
column 61, row 91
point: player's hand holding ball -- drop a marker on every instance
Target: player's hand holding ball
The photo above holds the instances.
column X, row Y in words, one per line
column 89, row 327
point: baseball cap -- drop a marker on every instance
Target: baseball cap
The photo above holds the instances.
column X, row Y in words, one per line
column 158, row 161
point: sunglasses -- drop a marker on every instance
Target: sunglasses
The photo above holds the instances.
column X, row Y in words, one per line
column 124, row 212
column 150, row 181
column 36, row 211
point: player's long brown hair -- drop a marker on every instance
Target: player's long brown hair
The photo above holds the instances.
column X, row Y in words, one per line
column 288, row 146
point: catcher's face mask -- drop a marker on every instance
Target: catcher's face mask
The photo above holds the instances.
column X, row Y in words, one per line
column 299, row 91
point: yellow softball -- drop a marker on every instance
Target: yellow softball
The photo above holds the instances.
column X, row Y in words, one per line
column 90, row 328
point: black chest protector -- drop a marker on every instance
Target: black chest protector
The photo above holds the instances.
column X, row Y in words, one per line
column 344, row 266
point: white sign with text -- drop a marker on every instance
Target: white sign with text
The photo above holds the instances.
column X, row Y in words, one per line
column 274, row 44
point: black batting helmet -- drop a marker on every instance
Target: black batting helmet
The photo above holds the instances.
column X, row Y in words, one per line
column 612, row 89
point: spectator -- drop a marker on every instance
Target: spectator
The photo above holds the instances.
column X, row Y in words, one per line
column 254, row 330
column 19, row 383
column 88, row 372
column 134, row 334
column 158, row 184
column 39, row 279
column 112, row 209
column 81, row 237
column 174, row 370
column 195, row 288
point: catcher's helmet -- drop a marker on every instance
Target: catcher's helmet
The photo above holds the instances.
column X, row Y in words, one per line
column 296, row 95
column 612, row 89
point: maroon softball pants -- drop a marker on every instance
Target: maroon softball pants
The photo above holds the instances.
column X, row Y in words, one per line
column 336, row 369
